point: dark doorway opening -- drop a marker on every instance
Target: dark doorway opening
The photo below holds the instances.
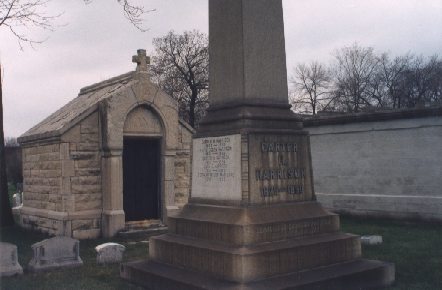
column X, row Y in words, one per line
column 141, row 179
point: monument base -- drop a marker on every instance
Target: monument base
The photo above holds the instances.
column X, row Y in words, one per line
column 284, row 246
column 354, row 275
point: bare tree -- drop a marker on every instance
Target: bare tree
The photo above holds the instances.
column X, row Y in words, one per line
column 13, row 161
column 181, row 67
column 390, row 77
column 311, row 88
column 355, row 70
column 133, row 13
column 421, row 81
column 11, row 142
column 362, row 80
column 21, row 16
column 6, row 218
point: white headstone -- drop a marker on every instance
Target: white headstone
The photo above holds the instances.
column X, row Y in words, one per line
column 9, row 260
column 16, row 199
column 57, row 252
column 371, row 240
column 110, row 253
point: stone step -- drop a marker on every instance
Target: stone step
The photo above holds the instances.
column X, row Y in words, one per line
column 252, row 225
column 247, row 263
column 352, row 275
column 142, row 224
column 132, row 232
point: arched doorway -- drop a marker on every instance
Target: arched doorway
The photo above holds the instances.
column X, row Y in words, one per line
column 142, row 151
column 141, row 179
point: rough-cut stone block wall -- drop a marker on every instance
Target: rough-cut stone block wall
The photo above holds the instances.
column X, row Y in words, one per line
column 81, row 177
column 183, row 166
column 388, row 168
column 42, row 171
column 41, row 176
column 62, row 183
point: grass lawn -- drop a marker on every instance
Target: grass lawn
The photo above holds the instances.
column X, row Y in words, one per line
column 89, row 276
column 415, row 249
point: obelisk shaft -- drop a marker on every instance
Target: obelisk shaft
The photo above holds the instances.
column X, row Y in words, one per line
column 247, row 53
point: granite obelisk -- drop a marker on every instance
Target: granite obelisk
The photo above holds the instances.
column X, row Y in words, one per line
column 252, row 221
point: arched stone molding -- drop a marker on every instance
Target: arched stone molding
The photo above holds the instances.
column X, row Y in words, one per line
column 143, row 122
column 114, row 112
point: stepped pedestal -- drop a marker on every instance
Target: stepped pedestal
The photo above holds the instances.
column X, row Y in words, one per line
column 284, row 246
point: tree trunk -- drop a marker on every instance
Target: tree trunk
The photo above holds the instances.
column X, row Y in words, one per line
column 192, row 107
column 5, row 206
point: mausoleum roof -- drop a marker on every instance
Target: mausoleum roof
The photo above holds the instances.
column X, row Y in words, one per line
column 79, row 108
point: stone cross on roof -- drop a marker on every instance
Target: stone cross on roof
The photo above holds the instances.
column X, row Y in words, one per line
column 142, row 60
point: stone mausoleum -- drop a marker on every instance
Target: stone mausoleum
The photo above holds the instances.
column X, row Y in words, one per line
column 117, row 154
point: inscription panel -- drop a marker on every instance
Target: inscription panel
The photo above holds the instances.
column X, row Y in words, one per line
column 280, row 168
column 216, row 167
column 282, row 231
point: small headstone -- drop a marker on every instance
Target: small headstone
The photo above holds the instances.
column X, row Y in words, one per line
column 371, row 240
column 109, row 253
column 57, row 252
column 16, row 199
column 9, row 260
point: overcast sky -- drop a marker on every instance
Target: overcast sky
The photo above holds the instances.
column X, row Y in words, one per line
column 95, row 42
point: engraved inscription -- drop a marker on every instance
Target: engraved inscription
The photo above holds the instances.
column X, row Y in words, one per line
column 142, row 121
column 282, row 172
column 278, row 147
column 280, row 168
column 277, row 231
column 279, row 173
column 269, row 191
column 216, row 157
column 217, row 168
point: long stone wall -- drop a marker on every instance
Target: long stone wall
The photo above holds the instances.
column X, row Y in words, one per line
column 382, row 164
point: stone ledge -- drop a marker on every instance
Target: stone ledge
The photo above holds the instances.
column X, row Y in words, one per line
column 421, row 208
column 251, row 225
column 254, row 233
column 354, row 275
column 62, row 216
column 248, row 263
column 372, row 116
column 253, row 214
column 245, row 226
column 86, row 234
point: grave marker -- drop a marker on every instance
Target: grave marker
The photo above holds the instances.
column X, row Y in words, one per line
column 109, row 253
column 9, row 265
column 17, row 199
column 54, row 253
